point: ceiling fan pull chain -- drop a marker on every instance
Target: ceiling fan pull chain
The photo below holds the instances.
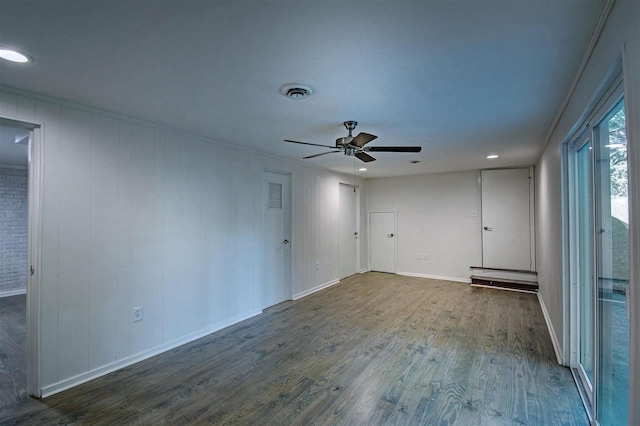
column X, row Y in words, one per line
column 354, row 174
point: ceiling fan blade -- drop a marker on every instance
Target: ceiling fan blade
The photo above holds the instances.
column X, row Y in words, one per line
column 394, row 149
column 362, row 139
column 318, row 155
column 312, row 144
column 365, row 157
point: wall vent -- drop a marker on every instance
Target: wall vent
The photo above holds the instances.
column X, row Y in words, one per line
column 275, row 196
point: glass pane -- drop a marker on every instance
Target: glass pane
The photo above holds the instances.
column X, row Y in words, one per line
column 612, row 270
column 584, row 256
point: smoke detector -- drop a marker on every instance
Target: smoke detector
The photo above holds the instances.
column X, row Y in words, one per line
column 296, row 91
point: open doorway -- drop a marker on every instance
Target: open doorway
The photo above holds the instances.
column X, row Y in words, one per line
column 14, row 209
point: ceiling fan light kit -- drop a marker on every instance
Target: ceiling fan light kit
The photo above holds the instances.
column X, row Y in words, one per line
column 355, row 146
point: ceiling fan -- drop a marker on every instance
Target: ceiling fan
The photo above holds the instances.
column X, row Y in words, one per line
column 355, row 146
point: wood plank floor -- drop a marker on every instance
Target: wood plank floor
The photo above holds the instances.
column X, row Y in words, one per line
column 13, row 350
column 374, row 349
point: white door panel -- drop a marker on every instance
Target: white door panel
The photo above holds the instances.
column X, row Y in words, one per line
column 383, row 241
column 348, row 231
column 506, row 219
column 276, row 231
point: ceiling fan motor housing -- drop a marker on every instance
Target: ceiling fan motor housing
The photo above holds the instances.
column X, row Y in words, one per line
column 344, row 141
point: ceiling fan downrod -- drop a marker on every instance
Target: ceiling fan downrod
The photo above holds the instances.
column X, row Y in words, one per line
column 350, row 125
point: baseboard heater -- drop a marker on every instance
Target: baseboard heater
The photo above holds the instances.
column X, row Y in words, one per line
column 504, row 284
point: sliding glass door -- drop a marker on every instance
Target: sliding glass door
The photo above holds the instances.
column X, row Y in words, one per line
column 599, row 261
column 612, row 268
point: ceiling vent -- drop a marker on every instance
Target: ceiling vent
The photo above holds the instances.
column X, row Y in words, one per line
column 296, row 91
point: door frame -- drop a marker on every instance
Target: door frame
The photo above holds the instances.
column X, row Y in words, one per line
column 395, row 240
column 289, row 283
column 587, row 392
column 357, row 213
column 35, row 170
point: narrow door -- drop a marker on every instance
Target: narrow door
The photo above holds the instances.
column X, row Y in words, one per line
column 383, row 241
column 348, row 230
column 276, row 237
column 506, row 219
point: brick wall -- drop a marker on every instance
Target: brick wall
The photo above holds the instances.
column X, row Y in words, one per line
column 13, row 229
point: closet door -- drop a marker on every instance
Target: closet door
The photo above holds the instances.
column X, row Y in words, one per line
column 506, row 219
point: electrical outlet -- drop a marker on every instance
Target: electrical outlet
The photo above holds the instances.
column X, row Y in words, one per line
column 425, row 257
column 137, row 313
column 419, row 256
column 474, row 213
column 317, row 266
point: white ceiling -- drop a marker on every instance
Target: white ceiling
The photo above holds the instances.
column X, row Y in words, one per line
column 463, row 79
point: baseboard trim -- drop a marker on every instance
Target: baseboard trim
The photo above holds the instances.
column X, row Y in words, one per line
column 435, row 277
column 364, row 271
column 314, row 289
column 552, row 333
column 130, row 360
column 9, row 293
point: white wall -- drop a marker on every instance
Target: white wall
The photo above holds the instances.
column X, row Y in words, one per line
column 620, row 32
column 139, row 215
column 434, row 218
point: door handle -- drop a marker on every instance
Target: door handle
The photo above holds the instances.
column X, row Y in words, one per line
column 285, row 242
column 389, row 235
column 487, row 228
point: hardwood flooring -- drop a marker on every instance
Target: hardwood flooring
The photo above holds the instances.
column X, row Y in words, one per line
column 374, row 349
column 13, row 350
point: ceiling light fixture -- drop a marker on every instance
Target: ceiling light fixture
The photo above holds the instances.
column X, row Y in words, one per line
column 14, row 55
column 492, row 156
column 362, row 169
column 296, row 91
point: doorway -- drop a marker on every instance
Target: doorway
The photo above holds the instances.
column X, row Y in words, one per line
column 599, row 260
column 382, row 226
column 14, row 208
column 276, row 238
column 349, row 230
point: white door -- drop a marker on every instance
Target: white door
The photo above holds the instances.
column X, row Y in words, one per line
column 506, row 219
column 382, row 227
column 348, row 230
column 276, row 239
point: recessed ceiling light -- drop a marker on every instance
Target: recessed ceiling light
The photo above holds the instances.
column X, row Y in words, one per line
column 362, row 169
column 296, row 91
column 14, row 55
column 492, row 156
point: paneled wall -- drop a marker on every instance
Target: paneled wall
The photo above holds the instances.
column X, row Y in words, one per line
column 139, row 215
column 13, row 229
column 435, row 216
column 619, row 37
